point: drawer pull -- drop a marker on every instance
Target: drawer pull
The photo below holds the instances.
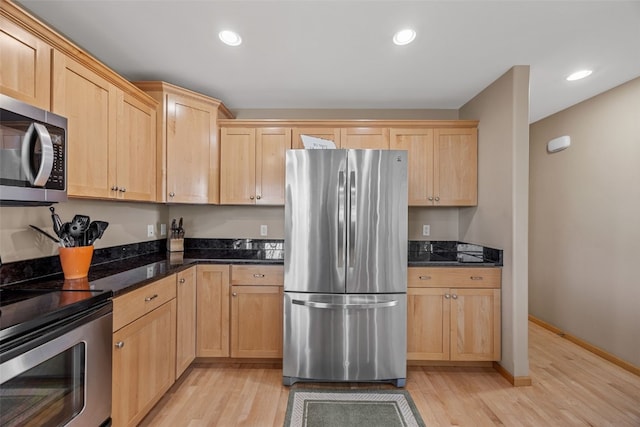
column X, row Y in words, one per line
column 151, row 298
column 424, row 277
column 447, row 296
column 476, row 277
column 119, row 344
column 234, row 294
column 454, row 296
column 258, row 276
column 182, row 280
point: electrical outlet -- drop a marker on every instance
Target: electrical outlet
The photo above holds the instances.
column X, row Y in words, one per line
column 150, row 230
column 263, row 230
column 163, row 229
column 149, row 271
column 426, row 229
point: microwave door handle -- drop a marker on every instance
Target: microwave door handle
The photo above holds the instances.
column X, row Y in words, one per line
column 37, row 132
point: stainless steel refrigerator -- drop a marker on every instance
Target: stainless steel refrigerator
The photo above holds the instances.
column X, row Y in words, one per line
column 345, row 283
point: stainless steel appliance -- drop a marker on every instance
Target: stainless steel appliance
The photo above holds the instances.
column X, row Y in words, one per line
column 32, row 154
column 55, row 356
column 345, row 266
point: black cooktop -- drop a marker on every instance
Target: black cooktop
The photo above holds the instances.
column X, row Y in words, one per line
column 27, row 307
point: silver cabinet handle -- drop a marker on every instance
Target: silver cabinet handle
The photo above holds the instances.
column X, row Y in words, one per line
column 437, row 199
column 234, row 294
column 431, row 199
column 454, row 296
column 251, row 197
column 122, row 189
column 424, row 277
column 447, row 296
column 476, row 277
column 115, row 188
column 182, row 280
column 172, row 194
column 119, row 344
column 258, row 276
column 151, row 298
column 258, row 197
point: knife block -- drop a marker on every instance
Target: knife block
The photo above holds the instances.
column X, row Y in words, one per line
column 175, row 245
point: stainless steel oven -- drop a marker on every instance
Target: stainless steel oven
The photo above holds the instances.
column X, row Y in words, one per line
column 32, row 154
column 58, row 373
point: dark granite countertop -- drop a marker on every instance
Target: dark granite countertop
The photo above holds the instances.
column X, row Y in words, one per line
column 128, row 267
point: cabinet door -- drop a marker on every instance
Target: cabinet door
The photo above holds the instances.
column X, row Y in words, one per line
column 456, row 167
column 25, row 65
column 237, row 166
column 212, row 311
column 365, row 138
column 135, row 149
column 89, row 103
column 186, row 320
column 143, row 364
column 475, row 324
column 256, row 321
column 192, row 151
column 428, row 324
column 332, row 134
column 271, row 146
column 419, row 146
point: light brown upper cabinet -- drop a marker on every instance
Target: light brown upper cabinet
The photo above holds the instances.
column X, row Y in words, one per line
column 110, row 134
column 331, row 134
column 25, row 65
column 252, row 165
column 187, row 144
column 364, row 138
column 443, row 164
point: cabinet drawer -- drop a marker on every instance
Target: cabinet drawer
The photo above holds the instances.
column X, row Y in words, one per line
column 257, row 275
column 136, row 304
column 459, row 277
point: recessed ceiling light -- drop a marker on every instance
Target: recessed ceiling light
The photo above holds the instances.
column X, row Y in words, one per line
column 403, row 37
column 579, row 75
column 230, row 37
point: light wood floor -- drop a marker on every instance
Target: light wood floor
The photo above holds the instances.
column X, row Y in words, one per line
column 571, row 387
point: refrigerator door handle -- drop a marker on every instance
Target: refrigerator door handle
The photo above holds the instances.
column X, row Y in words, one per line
column 374, row 305
column 341, row 218
column 352, row 218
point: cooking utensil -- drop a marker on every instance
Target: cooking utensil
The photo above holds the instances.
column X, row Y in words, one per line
column 95, row 231
column 57, row 222
column 40, row 230
column 65, row 235
column 79, row 225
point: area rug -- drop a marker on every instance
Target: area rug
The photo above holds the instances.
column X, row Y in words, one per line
column 346, row 408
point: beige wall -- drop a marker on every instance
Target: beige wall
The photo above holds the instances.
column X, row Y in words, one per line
column 500, row 219
column 585, row 222
column 244, row 221
column 127, row 224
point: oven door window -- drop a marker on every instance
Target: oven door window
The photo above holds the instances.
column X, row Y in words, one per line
column 51, row 393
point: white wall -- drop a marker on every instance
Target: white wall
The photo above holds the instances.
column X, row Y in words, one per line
column 501, row 217
column 585, row 222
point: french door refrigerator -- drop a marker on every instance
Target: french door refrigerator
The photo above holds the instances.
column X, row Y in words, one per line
column 345, row 283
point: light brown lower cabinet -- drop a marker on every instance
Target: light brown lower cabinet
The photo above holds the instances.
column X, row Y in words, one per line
column 212, row 311
column 256, row 311
column 186, row 319
column 455, row 324
column 144, row 341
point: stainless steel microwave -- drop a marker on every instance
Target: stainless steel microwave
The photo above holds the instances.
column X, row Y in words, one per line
column 33, row 155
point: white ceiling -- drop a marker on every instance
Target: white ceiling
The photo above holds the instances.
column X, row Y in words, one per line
column 339, row 55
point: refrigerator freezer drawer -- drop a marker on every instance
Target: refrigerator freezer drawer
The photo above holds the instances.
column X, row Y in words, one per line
column 329, row 337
